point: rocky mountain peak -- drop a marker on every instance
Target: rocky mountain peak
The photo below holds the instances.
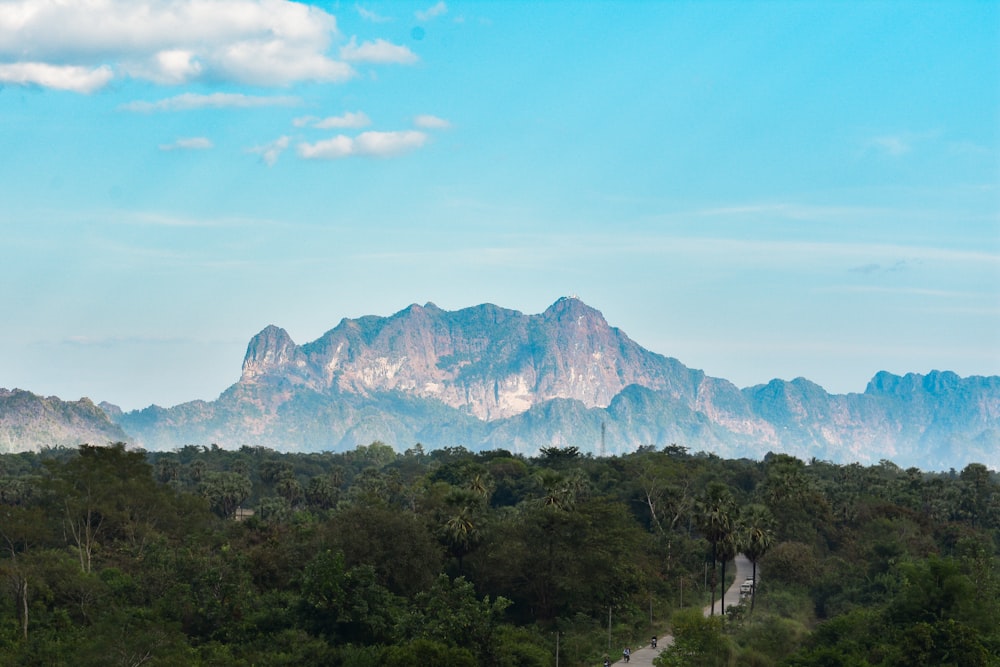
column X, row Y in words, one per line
column 269, row 350
column 569, row 308
column 933, row 383
column 489, row 361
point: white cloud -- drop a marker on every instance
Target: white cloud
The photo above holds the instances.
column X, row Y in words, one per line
column 188, row 143
column 369, row 15
column 260, row 42
column 388, row 143
column 380, row 52
column 172, row 67
column 60, row 77
column 189, row 101
column 270, row 152
column 350, row 119
column 432, row 12
column 336, row 147
column 429, row 122
column 374, row 144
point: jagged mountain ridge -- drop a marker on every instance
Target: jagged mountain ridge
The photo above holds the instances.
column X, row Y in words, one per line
column 491, row 377
column 29, row 421
column 491, row 362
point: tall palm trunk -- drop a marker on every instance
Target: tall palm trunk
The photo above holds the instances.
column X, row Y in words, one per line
column 712, row 613
column 722, row 593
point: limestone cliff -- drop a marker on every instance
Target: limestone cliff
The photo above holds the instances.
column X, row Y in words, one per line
column 487, row 376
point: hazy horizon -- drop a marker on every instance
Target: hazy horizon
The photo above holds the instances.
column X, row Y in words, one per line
column 760, row 190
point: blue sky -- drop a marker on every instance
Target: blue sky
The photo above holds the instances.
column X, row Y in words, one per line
column 760, row 190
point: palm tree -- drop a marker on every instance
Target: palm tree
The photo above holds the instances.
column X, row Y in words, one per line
column 757, row 536
column 728, row 546
column 462, row 534
column 715, row 514
column 462, row 529
column 561, row 491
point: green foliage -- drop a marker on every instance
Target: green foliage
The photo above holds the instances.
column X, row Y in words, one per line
column 770, row 638
column 396, row 544
column 346, row 604
column 369, row 557
column 426, row 652
column 225, row 491
column 934, row 590
column 698, row 640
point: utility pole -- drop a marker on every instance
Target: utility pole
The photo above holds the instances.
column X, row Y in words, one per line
column 609, row 630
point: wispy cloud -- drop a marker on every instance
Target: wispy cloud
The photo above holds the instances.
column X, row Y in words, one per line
column 271, row 151
column 82, row 46
column 188, row 101
column 968, row 148
column 432, row 12
column 900, row 291
column 373, row 144
column 188, row 143
column 350, row 119
column 897, row 144
column 141, row 218
column 791, row 210
column 84, row 340
column 894, row 145
column 878, row 268
column 428, row 122
column 378, row 51
column 369, row 15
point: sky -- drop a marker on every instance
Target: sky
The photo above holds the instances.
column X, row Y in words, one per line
column 758, row 189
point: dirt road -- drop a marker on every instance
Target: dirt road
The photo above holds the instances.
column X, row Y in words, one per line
column 643, row 656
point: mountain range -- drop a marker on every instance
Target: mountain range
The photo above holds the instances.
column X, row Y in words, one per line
column 29, row 421
column 487, row 377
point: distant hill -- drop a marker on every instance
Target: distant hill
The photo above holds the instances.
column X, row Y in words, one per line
column 29, row 421
column 489, row 377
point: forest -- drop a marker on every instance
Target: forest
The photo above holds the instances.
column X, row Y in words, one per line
column 206, row 556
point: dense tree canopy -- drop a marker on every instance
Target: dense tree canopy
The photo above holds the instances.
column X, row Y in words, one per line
column 203, row 556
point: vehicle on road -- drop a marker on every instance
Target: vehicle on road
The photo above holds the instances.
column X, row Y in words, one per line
column 746, row 589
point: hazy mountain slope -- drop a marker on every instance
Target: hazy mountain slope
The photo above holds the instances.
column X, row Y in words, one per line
column 29, row 421
column 492, row 377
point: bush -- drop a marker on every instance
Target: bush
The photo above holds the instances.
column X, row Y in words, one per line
column 698, row 640
column 772, row 637
column 427, row 652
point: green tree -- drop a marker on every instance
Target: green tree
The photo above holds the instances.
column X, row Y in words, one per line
column 427, row 652
column 225, row 492
column 462, row 530
column 103, row 490
column 21, row 529
column 715, row 515
column 756, row 526
column 450, row 613
column 397, row 544
column 698, row 640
